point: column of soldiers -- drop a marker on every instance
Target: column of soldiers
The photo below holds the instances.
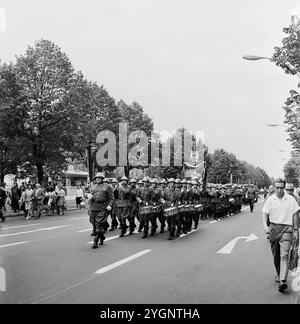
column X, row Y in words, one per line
column 174, row 203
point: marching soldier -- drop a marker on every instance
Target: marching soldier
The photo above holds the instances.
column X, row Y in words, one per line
column 113, row 215
column 195, row 201
column 100, row 204
column 182, row 213
column 157, row 200
column 122, row 197
column 161, row 217
column 171, row 197
column 134, row 201
column 146, row 194
column 190, row 212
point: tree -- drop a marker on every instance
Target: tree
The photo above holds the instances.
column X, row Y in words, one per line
column 12, row 102
column 46, row 77
column 292, row 170
column 98, row 112
column 221, row 164
column 137, row 120
column 287, row 56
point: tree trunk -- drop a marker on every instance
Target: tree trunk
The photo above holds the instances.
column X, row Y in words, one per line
column 2, row 175
column 40, row 172
column 127, row 171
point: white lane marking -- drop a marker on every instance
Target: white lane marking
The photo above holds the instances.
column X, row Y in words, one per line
column 58, row 292
column 33, row 231
column 77, row 218
column 86, row 230
column 213, row 222
column 121, row 262
column 192, row 231
column 12, row 244
column 227, row 249
column 13, row 227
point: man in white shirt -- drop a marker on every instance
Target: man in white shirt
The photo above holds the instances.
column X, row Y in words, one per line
column 280, row 220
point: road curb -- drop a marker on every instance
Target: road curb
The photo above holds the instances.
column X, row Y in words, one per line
column 22, row 214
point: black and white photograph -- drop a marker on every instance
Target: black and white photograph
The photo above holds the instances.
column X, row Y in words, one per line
column 149, row 155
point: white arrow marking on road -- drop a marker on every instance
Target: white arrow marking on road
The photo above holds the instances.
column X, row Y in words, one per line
column 121, row 262
column 33, row 231
column 227, row 249
column 12, row 244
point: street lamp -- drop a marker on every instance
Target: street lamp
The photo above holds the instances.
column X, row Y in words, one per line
column 256, row 58
column 277, row 125
column 91, row 149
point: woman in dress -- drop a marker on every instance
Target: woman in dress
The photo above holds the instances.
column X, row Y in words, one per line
column 79, row 197
column 27, row 198
column 60, row 200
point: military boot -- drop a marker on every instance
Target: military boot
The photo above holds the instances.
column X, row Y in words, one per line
column 96, row 240
column 102, row 238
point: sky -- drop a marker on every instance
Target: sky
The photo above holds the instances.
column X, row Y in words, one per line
column 180, row 59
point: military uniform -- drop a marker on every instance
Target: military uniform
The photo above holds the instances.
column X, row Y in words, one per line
column 146, row 194
column 113, row 213
column 171, row 197
column 102, row 198
column 161, row 216
column 196, row 201
column 182, row 216
column 134, row 211
column 122, row 197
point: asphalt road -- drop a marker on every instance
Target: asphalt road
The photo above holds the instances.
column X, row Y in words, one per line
column 51, row 261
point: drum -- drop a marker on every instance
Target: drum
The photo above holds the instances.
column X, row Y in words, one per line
column 172, row 211
column 181, row 209
column 156, row 209
column 145, row 210
column 198, row 208
column 192, row 208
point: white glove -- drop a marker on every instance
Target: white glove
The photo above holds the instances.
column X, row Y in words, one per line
column 108, row 208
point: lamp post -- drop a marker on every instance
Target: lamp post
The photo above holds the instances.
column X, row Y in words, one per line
column 90, row 153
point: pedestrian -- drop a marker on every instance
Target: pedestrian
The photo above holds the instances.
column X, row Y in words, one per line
column 60, row 202
column 39, row 196
column 15, row 197
column 251, row 196
column 2, row 201
column 27, row 199
column 289, row 188
column 281, row 212
column 79, row 197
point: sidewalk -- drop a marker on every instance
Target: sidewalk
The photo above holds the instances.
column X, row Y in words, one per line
column 71, row 206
